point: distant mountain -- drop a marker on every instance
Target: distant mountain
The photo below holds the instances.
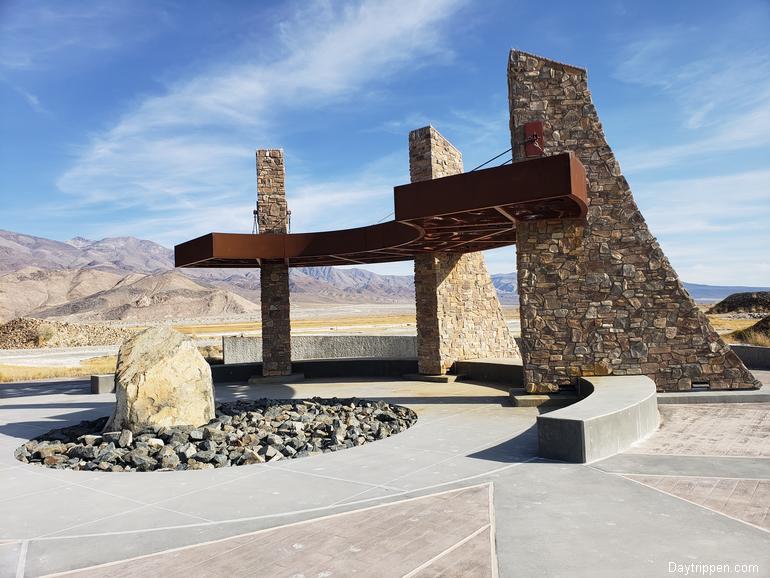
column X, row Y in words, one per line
column 507, row 288
column 508, row 292
column 156, row 297
column 32, row 288
column 718, row 292
column 128, row 278
column 117, row 253
column 123, row 253
column 18, row 251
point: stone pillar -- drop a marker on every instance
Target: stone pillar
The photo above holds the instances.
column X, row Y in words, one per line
column 598, row 296
column 272, row 217
column 458, row 314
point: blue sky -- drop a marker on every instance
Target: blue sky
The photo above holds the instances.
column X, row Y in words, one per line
column 141, row 118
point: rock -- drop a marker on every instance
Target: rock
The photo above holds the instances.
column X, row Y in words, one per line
column 291, row 427
column 168, row 458
column 206, row 445
column 214, row 434
column 251, row 457
column 196, row 465
column 155, row 443
column 54, row 460
column 22, row 454
column 270, row 453
column 274, row 440
column 220, row 461
column 110, row 455
column 112, row 436
column 125, row 439
column 82, row 452
column 140, row 460
column 205, row 455
column 161, row 380
column 90, row 440
column 187, row 451
column 46, row 449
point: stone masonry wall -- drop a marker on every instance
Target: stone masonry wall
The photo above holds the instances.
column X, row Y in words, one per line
column 458, row 314
column 272, row 210
column 598, row 296
column 272, row 217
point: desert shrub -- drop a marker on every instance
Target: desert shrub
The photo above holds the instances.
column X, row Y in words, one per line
column 45, row 333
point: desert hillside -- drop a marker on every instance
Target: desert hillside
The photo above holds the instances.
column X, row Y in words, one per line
column 33, row 289
column 129, row 279
column 153, row 298
column 757, row 302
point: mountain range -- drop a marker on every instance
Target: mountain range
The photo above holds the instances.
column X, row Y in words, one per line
column 130, row 279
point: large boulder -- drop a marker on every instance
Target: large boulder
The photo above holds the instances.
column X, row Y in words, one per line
column 161, row 380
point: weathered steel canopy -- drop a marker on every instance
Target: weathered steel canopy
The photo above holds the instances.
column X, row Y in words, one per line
column 458, row 214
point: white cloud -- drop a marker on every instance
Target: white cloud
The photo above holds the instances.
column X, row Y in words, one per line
column 747, row 129
column 31, row 99
column 720, row 84
column 173, row 152
column 713, row 229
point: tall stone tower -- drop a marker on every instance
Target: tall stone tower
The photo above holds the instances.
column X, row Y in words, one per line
column 458, row 313
column 272, row 217
column 599, row 297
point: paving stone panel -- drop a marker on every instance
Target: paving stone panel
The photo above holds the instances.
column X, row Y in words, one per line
column 745, row 500
column 731, row 429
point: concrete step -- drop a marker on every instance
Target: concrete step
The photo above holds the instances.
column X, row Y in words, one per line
column 761, row 395
column 520, row 398
column 432, row 378
column 276, row 379
column 501, row 371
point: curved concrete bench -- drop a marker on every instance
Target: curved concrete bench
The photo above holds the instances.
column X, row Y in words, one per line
column 617, row 412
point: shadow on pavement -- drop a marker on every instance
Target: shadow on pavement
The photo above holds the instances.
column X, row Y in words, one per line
column 32, row 428
column 34, row 388
column 519, row 448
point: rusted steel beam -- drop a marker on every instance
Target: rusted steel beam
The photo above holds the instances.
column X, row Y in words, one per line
column 460, row 213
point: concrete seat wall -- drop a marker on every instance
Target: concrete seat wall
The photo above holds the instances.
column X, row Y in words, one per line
column 248, row 349
column 616, row 413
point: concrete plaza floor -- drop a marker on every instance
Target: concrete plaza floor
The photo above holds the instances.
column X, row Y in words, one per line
column 461, row 493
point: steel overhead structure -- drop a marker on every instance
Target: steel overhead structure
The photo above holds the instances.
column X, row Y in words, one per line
column 461, row 213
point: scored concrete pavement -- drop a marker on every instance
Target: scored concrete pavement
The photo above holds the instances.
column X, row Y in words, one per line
column 551, row 518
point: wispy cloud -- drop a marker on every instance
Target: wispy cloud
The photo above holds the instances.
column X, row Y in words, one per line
column 33, row 34
column 174, row 151
column 31, row 99
column 480, row 133
column 721, row 89
column 358, row 199
column 714, row 229
column 39, row 37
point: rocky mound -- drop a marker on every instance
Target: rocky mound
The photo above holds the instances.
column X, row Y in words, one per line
column 751, row 302
column 244, row 432
column 757, row 334
column 29, row 333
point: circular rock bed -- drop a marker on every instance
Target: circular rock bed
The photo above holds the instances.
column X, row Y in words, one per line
column 244, row 432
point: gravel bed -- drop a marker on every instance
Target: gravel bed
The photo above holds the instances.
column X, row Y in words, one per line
column 244, row 432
